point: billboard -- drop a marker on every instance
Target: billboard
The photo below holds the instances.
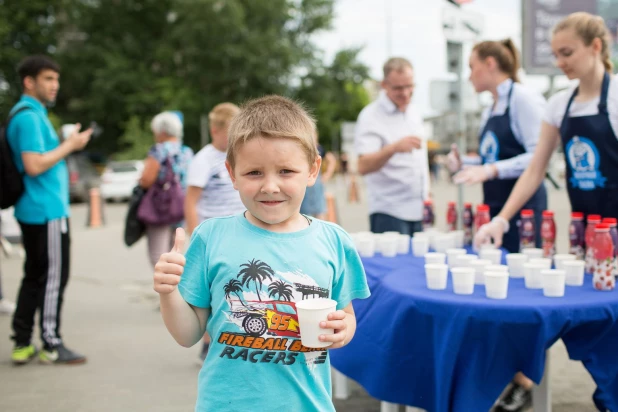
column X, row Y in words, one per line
column 538, row 19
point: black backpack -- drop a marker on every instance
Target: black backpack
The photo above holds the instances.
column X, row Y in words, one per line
column 11, row 179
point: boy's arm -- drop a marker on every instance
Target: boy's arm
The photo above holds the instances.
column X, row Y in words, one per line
column 344, row 323
column 191, row 200
column 186, row 323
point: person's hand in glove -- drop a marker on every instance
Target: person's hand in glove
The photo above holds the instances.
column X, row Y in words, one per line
column 475, row 174
column 492, row 231
column 453, row 160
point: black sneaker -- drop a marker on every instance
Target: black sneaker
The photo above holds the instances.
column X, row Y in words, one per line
column 61, row 355
column 517, row 399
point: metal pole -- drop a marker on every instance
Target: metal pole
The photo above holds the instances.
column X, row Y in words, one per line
column 461, row 128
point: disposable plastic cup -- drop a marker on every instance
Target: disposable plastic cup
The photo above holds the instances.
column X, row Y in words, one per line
column 532, row 275
column 388, row 245
column 463, row 280
column 366, row 246
column 420, row 234
column 479, row 270
column 559, row 259
column 553, row 283
column 574, row 272
column 491, row 254
column 452, row 253
column 444, row 241
column 310, row 313
column 459, row 236
column 403, row 244
column 436, row 275
column 496, row 284
column 533, row 252
column 542, row 261
column 515, row 262
column 420, row 245
column 435, row 258
column 464, row 261
column 497, row 268
column 433, row 234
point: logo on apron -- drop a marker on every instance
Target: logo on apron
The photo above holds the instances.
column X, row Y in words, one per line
column 583, row 157
column 490, row 148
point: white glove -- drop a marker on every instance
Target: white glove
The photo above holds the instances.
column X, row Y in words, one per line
column 493, row 230
column 453, row 161
column 474, row 174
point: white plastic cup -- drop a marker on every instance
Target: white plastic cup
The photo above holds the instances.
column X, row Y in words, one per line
column 479, row 270
column 574, row 272
column 545, row 262
column 403, row 244
column 420, row 245
column 463, row 280
column 496, row 284
column 310, row 313
column 464, row 261
column 443, row 242
column 435, row 258
column 553, row 283
column 497, row 268
column 432, row 234
column 459, row 236
column 388, row 245
column 452, row 253
column 436, row 275
column 491, row 254
column 532, row 275
column 366, row 246
column 515, row 262
column 559, row 259
column 533, row 252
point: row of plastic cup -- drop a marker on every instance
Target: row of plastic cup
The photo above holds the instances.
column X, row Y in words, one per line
column 388, row 244
column 436, row 240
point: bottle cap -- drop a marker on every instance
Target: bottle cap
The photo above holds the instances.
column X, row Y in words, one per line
column 594, row 218
column 601, row 227
column 611, row 221
column 451, row 204
column 527, row 213
column 428, row 203
column 468, row 204
column 548, row 213
column 482, row 208
column 577, row 216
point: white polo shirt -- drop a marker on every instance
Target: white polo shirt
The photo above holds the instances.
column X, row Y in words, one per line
column 400, row 186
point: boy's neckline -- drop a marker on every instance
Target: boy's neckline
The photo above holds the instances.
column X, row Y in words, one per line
column 242, row 219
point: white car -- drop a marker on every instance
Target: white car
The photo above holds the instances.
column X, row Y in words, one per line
column 119, row 179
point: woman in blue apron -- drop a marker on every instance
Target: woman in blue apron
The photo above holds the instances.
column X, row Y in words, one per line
column 509, row 135
column 585, row 120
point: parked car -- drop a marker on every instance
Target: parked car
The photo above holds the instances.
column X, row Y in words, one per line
column 119, row 179
column 83, row 176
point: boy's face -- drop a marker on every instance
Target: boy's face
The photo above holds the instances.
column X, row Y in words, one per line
column 271, row 176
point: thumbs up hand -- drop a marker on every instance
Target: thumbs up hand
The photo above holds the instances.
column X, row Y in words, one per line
column 170, row 266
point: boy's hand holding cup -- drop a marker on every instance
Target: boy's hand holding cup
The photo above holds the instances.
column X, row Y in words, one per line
column 170, row 266
column 321, row 325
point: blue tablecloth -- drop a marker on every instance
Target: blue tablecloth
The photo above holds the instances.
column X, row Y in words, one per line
column 445, row 352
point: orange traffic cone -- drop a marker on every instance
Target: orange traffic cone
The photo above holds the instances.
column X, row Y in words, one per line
column 331, row 208
column 95, row 208
column 353, row 190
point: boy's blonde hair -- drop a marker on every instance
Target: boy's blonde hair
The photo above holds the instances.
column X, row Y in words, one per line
column 222, row 114
column 588, row 27
column 272, row 117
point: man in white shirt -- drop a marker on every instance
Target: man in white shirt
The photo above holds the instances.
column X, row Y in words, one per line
column 392, row 150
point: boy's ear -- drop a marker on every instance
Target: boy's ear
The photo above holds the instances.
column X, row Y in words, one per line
column 314, row 171
column 230, row 170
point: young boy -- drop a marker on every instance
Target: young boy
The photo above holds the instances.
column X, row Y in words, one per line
column 243, row 274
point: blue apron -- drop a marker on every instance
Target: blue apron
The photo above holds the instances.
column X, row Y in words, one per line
column 498, row 142
column 591, row 153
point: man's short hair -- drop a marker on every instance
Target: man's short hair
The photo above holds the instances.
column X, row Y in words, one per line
column 396, row 64
column 272, row 117
column 168, row 123
column 222, row 114
column 32, row 66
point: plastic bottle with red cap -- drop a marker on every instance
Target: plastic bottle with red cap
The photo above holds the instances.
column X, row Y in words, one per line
column 468, row 223
column 451, row 216
column 548, row 234
column 613, row 232
column 482, row 216
column 603, row 259
column 527, row 234
column 593, row 221
column 428, row 215
column 577, row 235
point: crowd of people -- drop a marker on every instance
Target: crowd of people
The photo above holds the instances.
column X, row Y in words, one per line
column 252, row 229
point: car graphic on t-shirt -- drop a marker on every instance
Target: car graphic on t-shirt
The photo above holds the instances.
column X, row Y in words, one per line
column 274, row 317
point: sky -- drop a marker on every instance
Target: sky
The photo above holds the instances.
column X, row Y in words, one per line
column 416, row 34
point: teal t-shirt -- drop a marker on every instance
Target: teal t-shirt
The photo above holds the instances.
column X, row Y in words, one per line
column 251, row 278
column 46, row 196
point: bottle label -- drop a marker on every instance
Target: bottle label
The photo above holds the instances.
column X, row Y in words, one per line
column 603, row 274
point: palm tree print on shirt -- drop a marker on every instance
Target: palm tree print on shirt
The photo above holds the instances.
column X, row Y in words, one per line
column 282, row 289
column 233, row 286
column 257, row 272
